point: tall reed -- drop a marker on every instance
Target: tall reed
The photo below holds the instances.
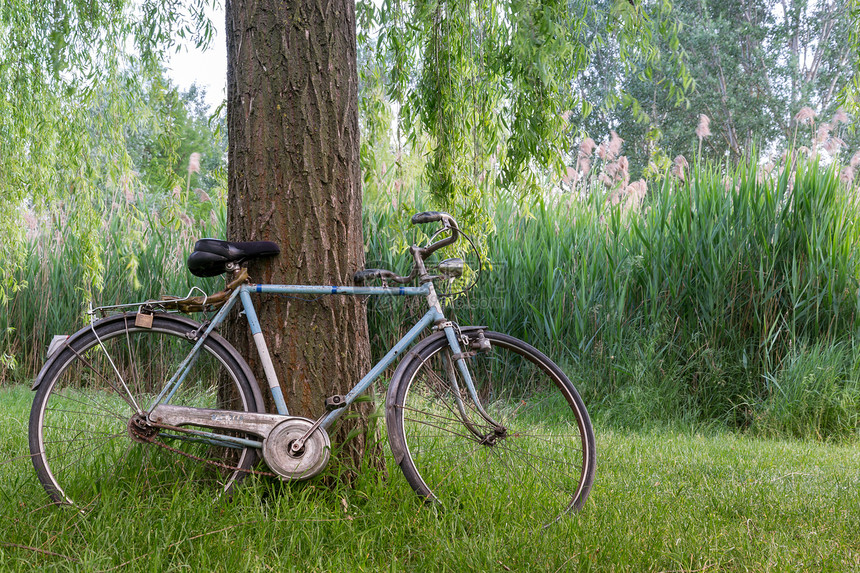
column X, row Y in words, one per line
column 701, row 304
column 144, row 245
column 686, row 307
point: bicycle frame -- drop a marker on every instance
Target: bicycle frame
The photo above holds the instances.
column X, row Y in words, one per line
column 433, row 316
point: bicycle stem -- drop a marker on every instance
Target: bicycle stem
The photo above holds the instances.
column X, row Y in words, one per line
column 456, row 351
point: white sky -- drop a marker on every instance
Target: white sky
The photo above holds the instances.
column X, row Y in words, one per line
column 207, row 69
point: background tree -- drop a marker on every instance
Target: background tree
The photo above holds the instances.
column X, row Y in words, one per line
column 755, row 65
column 180, row 124
column 851, row 95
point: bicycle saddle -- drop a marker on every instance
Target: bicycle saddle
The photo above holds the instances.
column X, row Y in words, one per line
column 211, row 256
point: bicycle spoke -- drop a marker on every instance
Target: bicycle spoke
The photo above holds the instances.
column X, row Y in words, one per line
column 508, row 443
column 83, row 413
column 468, row 437
column 548, row 476
column 92, row 403
column 459, row 464
column 132, row 360
column 458, row 420
column 87, row 445
column 127, row 397
column 89, row 433
column 523, row 463
column 81, row 424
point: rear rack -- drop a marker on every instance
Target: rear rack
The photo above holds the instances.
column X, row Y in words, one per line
column 187, row 304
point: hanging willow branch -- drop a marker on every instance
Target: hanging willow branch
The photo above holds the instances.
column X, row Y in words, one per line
column 71, row 82
column 850, row 97
column 489, row 84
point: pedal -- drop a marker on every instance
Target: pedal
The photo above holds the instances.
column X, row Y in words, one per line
column 336, row 402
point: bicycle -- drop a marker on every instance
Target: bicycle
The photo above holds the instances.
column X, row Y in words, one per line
column 147, row 398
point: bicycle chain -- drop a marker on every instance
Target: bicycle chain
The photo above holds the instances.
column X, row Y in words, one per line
column 153, row 440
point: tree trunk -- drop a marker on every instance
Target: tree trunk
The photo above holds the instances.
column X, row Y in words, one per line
column 293, row 171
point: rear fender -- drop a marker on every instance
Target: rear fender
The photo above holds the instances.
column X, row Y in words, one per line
column 259, row 405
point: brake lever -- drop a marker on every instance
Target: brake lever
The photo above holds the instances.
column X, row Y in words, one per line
column 445, row 227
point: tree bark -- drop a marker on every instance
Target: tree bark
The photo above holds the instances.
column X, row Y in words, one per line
column 293, row 172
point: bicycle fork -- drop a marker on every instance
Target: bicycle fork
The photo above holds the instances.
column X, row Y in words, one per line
column 459, row 357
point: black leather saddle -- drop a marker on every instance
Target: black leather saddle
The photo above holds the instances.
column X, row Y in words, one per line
column 211, row 256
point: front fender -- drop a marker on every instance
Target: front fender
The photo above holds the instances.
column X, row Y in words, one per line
column 398, row 448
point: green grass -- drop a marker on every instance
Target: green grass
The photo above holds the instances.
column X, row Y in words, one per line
column 664, row 500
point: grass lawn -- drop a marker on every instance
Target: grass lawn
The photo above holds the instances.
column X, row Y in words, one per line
column 663, row 500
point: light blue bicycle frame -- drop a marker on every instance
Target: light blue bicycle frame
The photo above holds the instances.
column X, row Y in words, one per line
column 433, row 316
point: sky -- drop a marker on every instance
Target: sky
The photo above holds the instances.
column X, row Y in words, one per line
column 208, row 69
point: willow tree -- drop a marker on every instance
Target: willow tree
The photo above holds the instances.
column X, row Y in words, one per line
column 293, row 170
column 491, row 88
column 851, row 95
column 72, row 75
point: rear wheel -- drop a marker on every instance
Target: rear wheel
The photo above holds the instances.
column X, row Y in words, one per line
column 535, row 465
column 88, row 429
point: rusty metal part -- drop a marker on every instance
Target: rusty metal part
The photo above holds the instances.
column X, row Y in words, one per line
column 278, row 433
column 140, row 430
column 154, row 441
column 308, row 461
column 259, row 424
column 459, row 355
column 480, row 343
column 204, row 303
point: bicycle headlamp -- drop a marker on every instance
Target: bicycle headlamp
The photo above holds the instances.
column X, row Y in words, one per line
column 452, row 268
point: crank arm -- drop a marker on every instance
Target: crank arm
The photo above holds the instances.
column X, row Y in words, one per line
column 249, row 422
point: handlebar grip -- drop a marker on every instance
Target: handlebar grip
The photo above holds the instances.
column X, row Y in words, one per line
column 426, row 217
column 361, row 277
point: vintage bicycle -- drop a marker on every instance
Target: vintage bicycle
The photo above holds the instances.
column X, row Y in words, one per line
column 150, row 397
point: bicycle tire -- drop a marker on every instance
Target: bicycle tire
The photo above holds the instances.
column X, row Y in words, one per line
column 80, row 432
column 541, row 469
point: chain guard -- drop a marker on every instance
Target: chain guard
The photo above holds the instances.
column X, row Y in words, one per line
column 309, row 462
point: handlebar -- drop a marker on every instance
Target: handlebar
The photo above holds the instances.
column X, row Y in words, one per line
column 420, row 253
column 432, row 217
column 448, row 224
column 427, row 217
column 369, row 274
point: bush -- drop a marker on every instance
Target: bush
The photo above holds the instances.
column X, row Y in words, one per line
column 814, row 394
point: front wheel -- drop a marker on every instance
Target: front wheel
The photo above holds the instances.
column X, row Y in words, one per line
column 533, row 464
